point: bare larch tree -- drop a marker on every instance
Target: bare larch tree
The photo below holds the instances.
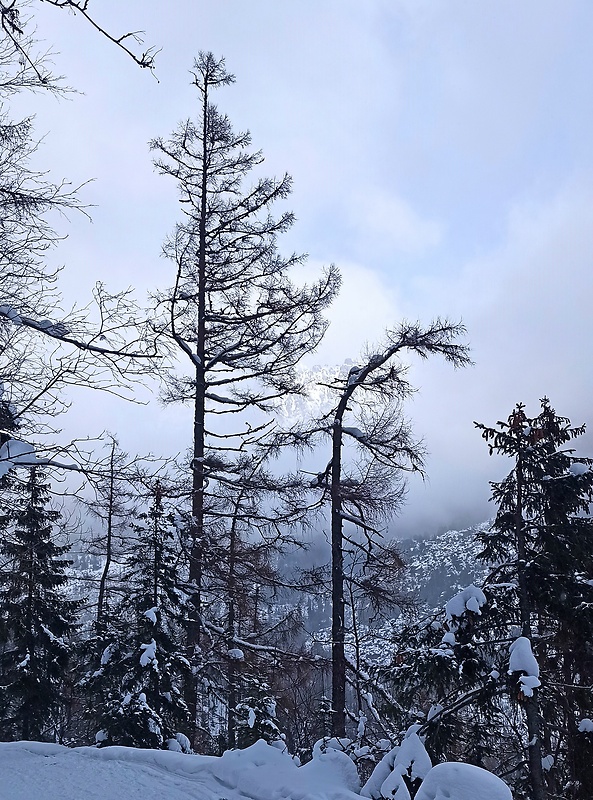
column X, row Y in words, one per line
column 233, row 311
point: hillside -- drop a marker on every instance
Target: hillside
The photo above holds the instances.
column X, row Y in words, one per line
column 438, row 567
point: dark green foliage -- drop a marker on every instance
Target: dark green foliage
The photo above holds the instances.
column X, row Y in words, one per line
column 451, row 671
column 256, row 715
column 140, row 679
column 36, row 618
column 542, row 543
column 441, row 676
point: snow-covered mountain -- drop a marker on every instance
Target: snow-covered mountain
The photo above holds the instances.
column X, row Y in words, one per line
column 318, row 399
column 438, row 567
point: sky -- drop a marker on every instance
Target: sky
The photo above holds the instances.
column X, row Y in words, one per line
column 442, row 157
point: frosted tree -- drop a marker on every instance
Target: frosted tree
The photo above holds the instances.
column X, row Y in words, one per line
column 256, row 715
column 37, row 619
column 140, row 679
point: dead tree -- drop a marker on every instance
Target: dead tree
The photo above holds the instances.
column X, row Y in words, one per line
column 374, row 488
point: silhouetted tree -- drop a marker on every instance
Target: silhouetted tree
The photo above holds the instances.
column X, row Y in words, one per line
column 37, row 619
column 371, row 488
column 233, row 312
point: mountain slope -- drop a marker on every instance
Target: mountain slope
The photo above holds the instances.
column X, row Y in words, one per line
column 437, row 568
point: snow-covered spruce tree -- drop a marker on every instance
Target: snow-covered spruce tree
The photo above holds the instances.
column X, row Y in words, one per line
column 367, row 489
column 233, row 313
column 444, row 677
column 505, row 674
column 139, row 684
column 37, row 619
column 542, row 543
column 256, row 715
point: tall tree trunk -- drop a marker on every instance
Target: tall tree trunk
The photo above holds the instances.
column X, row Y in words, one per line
column 198, row 471
column 100, row 621
column 337, row 570
column 531, row 704
column 233, row 666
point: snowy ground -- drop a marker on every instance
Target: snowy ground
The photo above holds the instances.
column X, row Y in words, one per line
column 34, row 771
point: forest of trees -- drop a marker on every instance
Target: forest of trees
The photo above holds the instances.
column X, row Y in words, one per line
column 175, row 621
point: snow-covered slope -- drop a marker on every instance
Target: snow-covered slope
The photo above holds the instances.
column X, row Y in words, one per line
column 319, row 398
column 441, row 566
column 30, row 770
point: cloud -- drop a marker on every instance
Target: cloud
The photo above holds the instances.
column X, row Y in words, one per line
column 527, row 309
column 391, row 223
column 365, row 307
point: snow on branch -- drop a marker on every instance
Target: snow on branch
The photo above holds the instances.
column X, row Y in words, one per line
column 14, row 453
column 469, row 599
column 523, row 660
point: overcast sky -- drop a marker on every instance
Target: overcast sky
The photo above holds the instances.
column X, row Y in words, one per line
column 442, row 155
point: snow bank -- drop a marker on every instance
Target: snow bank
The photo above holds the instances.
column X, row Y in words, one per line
column 260, row 772
column 452, row 781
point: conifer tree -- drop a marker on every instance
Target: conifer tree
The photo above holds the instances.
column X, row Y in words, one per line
column 371, row 490
column 505, row 674
column 542, row 543
column 256, row 715
column 140, row 680
column 37, row 620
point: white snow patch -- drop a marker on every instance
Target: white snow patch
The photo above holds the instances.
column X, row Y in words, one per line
column 14, row 453
column 547, row 763
column 149, row 654
column 522, row 658
column 577, row 468
column 528, row 684
column 469, row 599
column 453, row 781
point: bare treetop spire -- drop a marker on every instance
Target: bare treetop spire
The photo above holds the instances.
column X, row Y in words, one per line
column 208, row 71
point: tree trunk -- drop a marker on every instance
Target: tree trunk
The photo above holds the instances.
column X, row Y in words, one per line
column 108, row 555
column 233, row 666
column 337, row 553
column 198, row 476
column 531, row 704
